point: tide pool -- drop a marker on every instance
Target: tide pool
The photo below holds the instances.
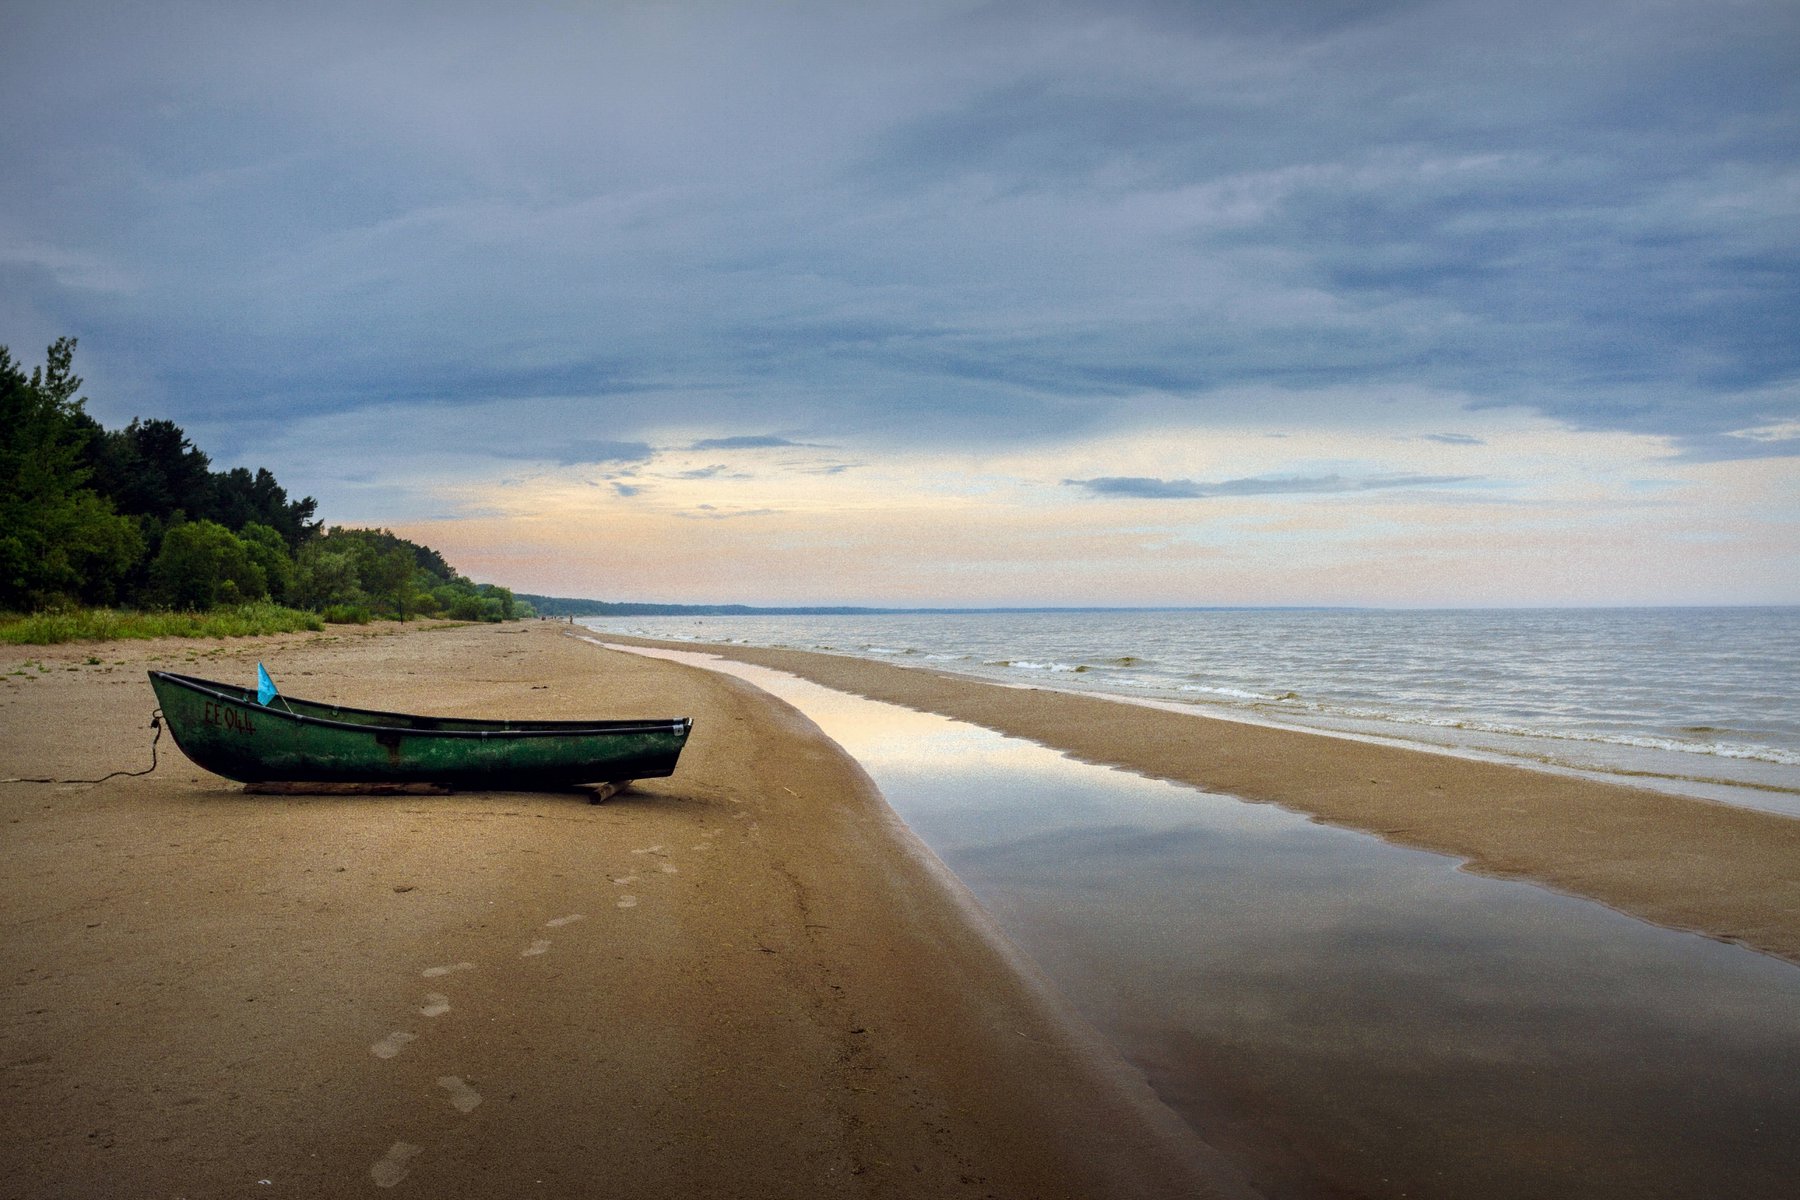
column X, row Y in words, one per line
column 1338, row 1013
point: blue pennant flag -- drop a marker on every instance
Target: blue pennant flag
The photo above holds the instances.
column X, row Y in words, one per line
column 265, row 687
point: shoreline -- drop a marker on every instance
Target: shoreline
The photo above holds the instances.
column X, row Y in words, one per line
column 1686, row 863
column 747, row 979
column 1753, row 780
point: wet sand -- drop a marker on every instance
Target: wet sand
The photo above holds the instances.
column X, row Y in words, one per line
column 746, row 980
column 1729, row 873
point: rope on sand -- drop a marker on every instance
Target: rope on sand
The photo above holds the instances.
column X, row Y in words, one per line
column 155, row 723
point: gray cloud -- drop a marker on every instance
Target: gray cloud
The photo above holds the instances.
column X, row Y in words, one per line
column 577, row 451
column 763, row 442
column 915, row 224
column 1143, row 488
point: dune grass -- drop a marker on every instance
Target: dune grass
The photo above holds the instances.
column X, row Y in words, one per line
column 105, row 624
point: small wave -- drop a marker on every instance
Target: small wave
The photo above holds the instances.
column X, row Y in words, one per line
column 1024, row 665
column 1465, row 722
column 1230, row 693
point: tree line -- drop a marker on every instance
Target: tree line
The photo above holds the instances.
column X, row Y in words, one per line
column 137, row 517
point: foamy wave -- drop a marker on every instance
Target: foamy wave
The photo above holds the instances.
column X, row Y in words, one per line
column 1710, row 749
column 1768, row 754
column 1292, row 702
column 1230, row 693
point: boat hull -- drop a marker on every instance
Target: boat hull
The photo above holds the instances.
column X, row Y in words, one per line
column 225, row 730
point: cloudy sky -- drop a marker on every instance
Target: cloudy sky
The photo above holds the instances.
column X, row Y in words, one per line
column 949, row 302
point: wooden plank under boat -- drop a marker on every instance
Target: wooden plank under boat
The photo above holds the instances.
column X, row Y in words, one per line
column 226, row 730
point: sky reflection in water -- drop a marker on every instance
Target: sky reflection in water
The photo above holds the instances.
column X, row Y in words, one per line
column 1341, row 1012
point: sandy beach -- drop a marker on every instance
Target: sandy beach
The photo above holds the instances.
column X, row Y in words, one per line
column 745, row 980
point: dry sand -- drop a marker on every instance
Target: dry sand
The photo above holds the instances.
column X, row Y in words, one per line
column 1729, row 873
column 746, row 980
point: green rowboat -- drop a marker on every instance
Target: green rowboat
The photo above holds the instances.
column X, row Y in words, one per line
column 228, row 731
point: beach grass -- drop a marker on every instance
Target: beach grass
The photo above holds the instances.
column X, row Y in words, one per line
column 106, row 624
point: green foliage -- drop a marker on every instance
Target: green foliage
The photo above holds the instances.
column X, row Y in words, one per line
column 240, row 500
column 467, row 607
column 270, row 554
column 58, row 539
column 325, row 575
column 502, row 597
column 244, row 620
column 392, row 577
column 387, row 576
column 483, row 602
column 138, row 516
column 202, row 564
column 105, row 624
column 150, row 469
column 347, row 614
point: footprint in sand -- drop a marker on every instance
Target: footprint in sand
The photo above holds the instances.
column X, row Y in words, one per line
column 669, row 869
column 436, row 972
column 392, row 1044
column 627, row 901
column 462, row 1097
column 625, row 880
column 559, row 922
column 649, row 850
column 436, row 1005
column 394, row 1165
column 540, row 946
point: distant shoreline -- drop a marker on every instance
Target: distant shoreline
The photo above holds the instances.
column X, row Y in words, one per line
column 567, row 606
column 562, row 606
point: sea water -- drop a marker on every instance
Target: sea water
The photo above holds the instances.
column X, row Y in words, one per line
column 1702, row 701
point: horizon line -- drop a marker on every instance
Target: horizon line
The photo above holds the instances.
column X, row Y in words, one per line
column 627, row 608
